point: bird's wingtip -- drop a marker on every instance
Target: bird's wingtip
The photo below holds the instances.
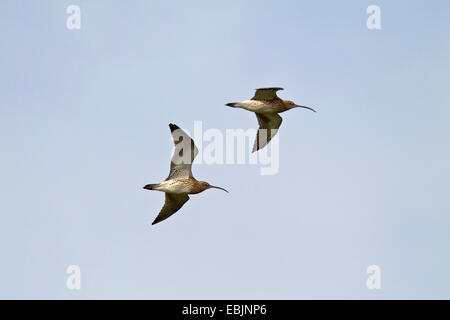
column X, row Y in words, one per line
column 173, row 127
column 270, row 88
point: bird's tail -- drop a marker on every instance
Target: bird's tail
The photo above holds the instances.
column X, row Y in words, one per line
column 151, row 186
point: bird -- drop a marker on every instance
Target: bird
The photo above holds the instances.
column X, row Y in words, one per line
column 267, row 106
column 180, row 182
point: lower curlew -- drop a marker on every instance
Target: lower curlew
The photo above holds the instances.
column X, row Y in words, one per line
column 180, row 181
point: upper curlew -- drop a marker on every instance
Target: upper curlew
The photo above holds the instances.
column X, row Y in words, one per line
column 266, row 105
column 180, row 181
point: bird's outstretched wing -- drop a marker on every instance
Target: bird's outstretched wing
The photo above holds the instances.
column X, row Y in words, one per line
column 268, row 128
column 266, row 94
column 184, row 154
column 173, row 203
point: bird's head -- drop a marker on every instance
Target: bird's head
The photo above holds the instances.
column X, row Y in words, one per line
column 288, row 104
column 205, row 185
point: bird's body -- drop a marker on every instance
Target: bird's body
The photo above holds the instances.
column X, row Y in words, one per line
column 174, row 186
column 178, row 186
column 180, row 181
column 256, row 106
column 266, row 105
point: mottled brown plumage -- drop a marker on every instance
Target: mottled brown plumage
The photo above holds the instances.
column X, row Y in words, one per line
column 266, row 105
column 180, row 181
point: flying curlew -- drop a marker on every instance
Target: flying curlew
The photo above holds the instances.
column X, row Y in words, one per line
column 180, row 181
column 266, row 105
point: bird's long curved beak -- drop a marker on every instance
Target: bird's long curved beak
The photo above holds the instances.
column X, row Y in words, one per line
column 217, row 188
column 297, row 106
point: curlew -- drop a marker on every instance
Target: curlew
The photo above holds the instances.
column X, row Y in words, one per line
column 180, row 181
column 266, row 105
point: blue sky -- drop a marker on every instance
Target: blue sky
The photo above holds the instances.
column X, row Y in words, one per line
column 365, row 180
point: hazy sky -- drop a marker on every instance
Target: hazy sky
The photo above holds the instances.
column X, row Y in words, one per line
column 84, row 120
